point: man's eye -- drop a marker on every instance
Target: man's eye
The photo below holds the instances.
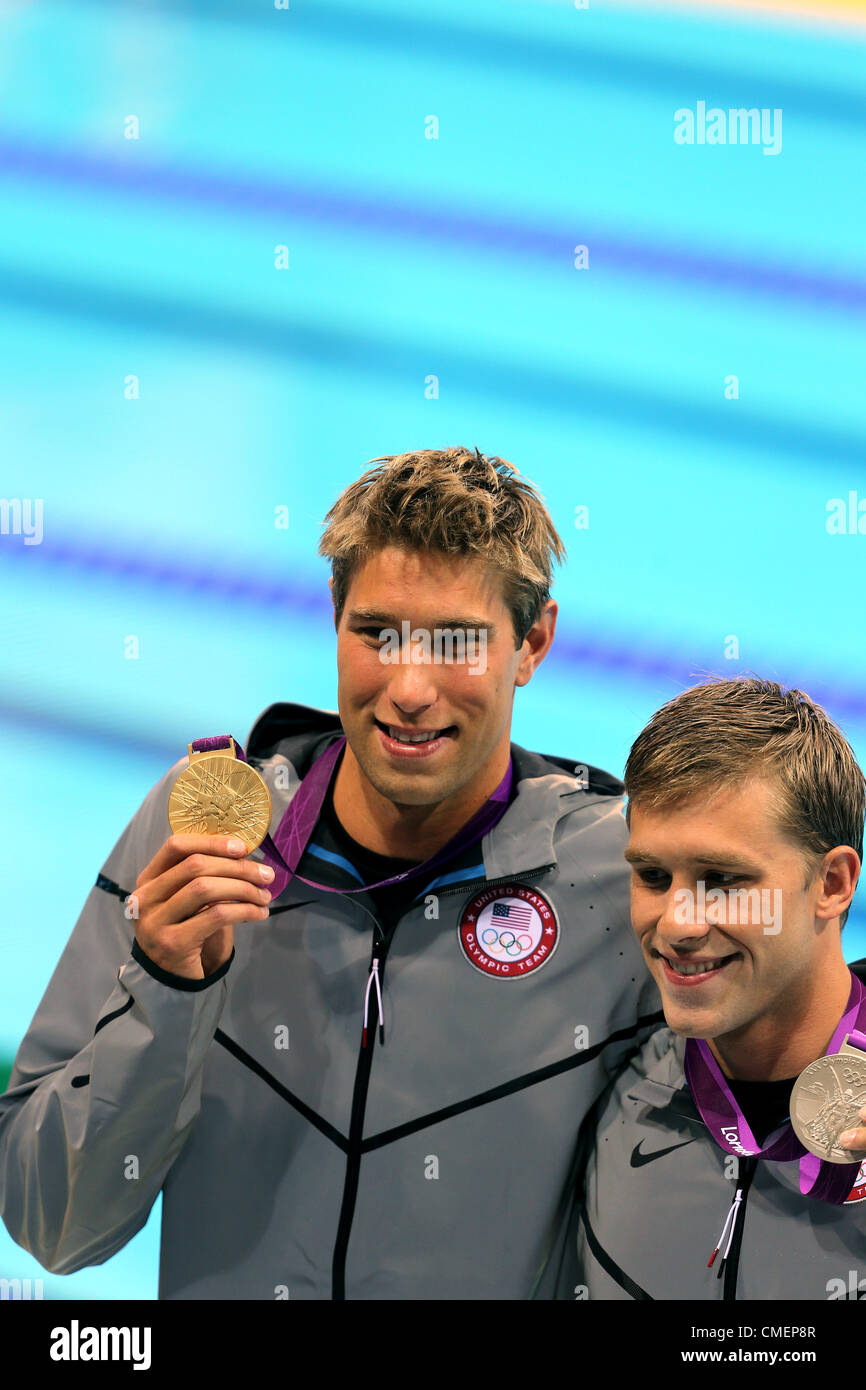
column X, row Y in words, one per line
column 654, row 878
column 729, row 879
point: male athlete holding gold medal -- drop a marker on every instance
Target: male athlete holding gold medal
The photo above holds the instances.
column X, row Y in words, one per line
column 353, row 1048
column 723, row 1163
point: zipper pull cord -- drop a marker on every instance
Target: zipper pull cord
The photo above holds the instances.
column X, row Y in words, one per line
column 374, row 975
column 730, row 1220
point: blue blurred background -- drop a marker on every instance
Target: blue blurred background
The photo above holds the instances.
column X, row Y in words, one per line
column 166, row 389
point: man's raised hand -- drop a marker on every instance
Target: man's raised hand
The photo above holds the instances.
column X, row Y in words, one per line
column 188, row 898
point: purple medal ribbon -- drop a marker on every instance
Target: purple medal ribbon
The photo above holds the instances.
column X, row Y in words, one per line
column 283, row 851
column 830, row 1182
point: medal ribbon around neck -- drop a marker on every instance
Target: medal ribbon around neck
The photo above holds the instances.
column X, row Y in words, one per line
column 830, row 1182
column 283, row 850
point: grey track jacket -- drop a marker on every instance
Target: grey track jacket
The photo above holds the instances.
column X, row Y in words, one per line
column 652, row 1201
column 292, row 1162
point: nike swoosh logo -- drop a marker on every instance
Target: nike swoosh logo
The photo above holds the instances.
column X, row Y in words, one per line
column 638, row 1158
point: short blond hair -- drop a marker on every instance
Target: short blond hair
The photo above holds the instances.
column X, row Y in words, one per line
column 721, row 732
column 457, row 502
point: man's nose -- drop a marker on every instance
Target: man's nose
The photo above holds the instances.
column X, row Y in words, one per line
column 412, row 688
column 685, row 919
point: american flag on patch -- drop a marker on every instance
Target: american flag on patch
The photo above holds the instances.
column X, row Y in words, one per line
column 518, row 914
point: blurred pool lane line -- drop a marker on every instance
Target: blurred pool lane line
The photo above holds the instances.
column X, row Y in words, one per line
column 381, row 215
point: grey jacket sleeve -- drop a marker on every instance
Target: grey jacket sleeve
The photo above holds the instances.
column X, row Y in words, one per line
column 106, row 1084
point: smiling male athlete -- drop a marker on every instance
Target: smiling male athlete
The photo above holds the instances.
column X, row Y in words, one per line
column 746, row 808
column 370, row 1087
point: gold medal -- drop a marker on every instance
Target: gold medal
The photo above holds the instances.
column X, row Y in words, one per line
column 826, row 1100
column 218, row 794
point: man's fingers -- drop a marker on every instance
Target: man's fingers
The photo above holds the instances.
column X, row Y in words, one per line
column 205, row 892
column 855, row 1139
column 177, row 848
column 226, row 875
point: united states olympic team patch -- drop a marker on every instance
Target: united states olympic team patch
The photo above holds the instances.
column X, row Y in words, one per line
column 509, row 931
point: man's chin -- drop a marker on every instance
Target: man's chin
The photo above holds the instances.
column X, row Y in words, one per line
column 414, row 786
column 691, row 1023
column 685, row 1029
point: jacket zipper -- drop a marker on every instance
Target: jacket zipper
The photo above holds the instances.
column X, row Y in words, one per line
column 356, row 1125
column 362, row 1081
column 732, row 1263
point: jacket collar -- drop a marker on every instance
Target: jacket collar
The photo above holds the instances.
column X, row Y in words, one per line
column 664, row 1084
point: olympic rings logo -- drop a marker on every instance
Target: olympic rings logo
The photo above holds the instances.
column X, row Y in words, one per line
column 509, row 942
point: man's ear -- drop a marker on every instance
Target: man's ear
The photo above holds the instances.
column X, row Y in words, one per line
column 539, row 640
column 839, row 872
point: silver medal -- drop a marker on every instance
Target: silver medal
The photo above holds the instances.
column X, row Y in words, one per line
column 827, row 1098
